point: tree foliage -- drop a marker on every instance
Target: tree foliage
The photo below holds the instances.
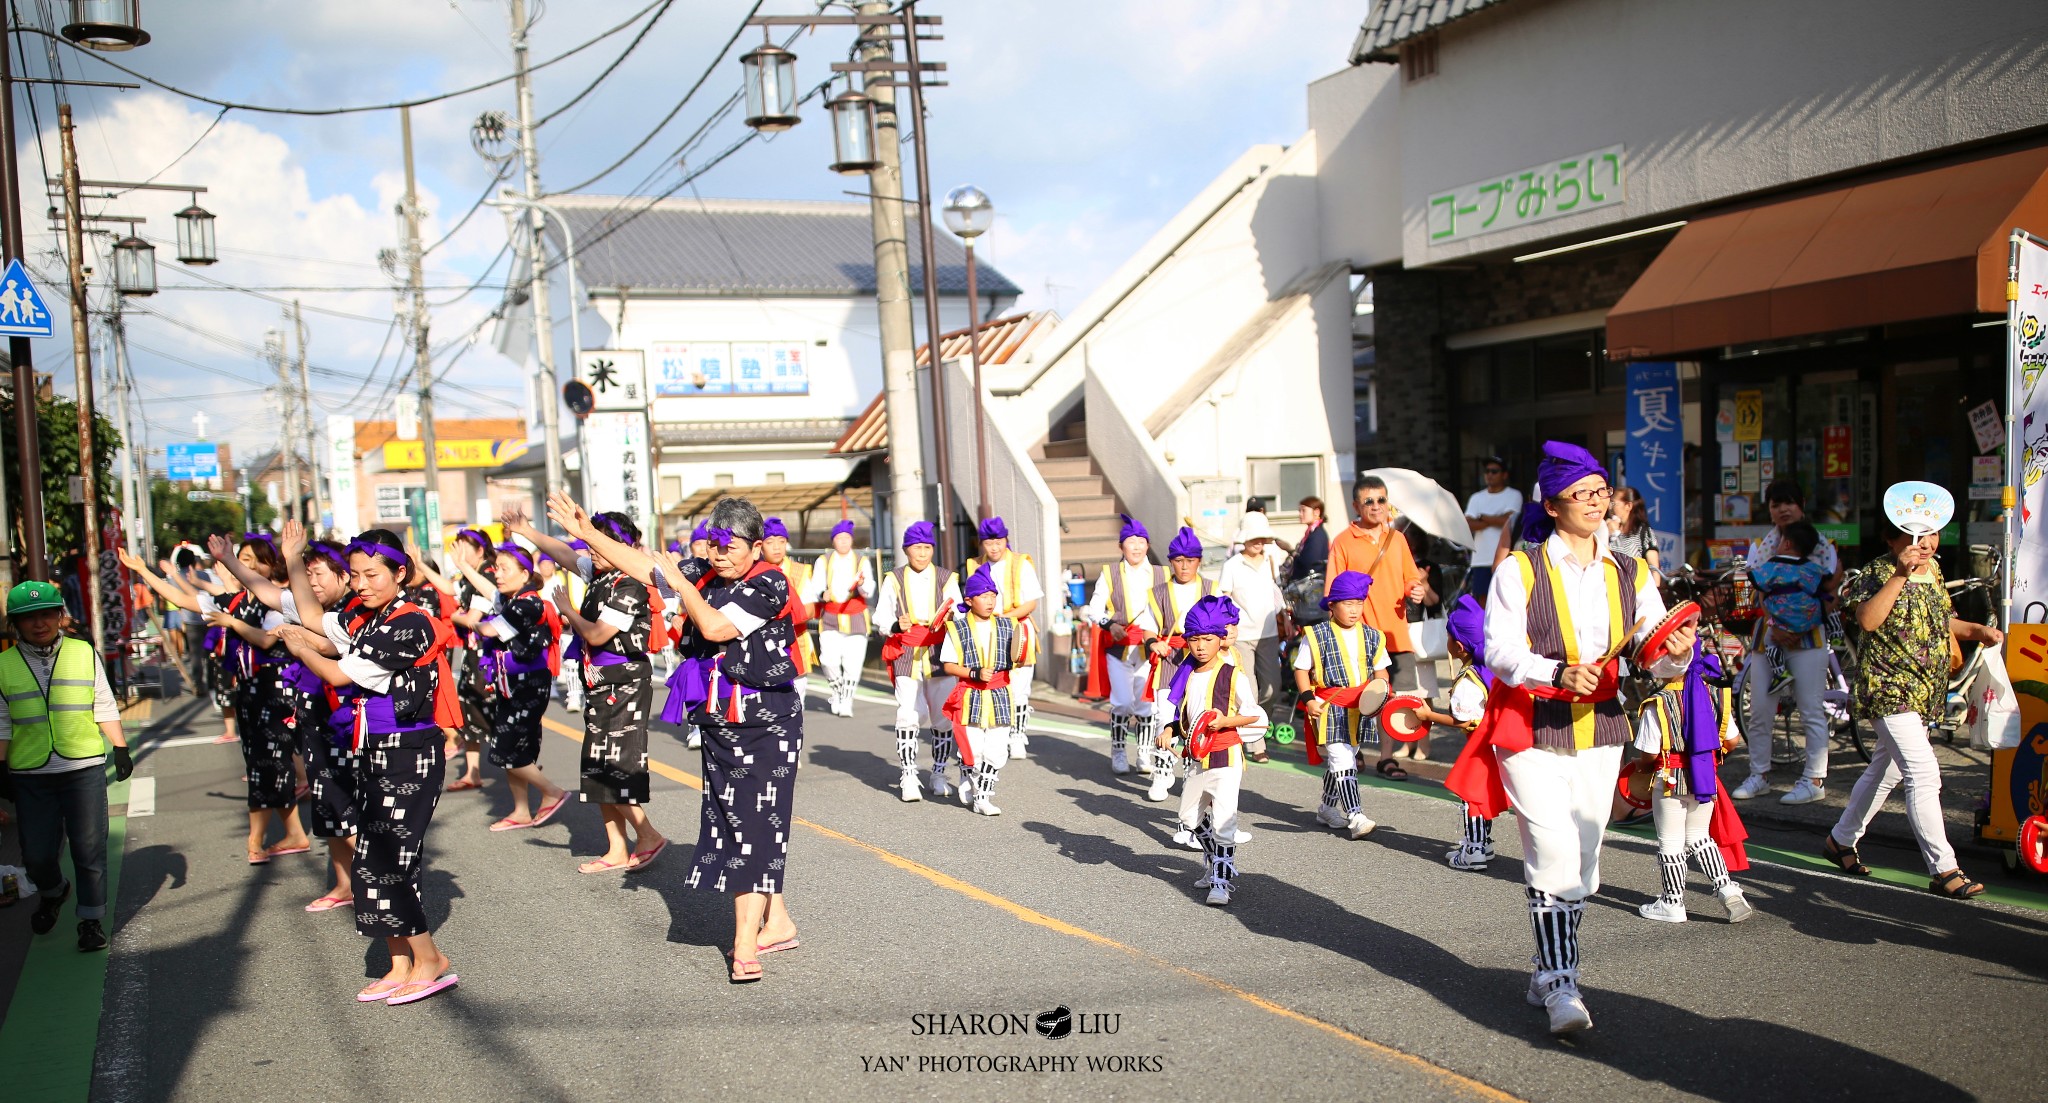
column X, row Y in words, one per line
column 178, row 518
column 63, row 523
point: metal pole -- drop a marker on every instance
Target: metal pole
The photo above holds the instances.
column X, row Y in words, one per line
column 137, row 441
column 129, row 511
column 575, row 314
column 982, row 509
column 422, row 358
column 34, row 557
column 898, row 327
column 81, row 362
column 931, row 273
column 313, row 487
column 550, row 390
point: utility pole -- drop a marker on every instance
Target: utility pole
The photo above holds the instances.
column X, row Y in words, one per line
column 892, row 281
column 142, row 526
column 313, row 482
column 273, row 350
column 81, row 362
column 548, row 393
column 931, row 275
column 422, row 359
column 34, row 558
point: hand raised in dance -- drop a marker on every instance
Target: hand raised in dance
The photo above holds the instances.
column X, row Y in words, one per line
column 131, row 561
column 219, row 547
column 513, row 518
column 291, row 539
column 564, row 511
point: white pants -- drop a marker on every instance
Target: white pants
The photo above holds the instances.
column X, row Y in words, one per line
column 921, row 702
column 991, row 746
column 840, row 655
column 1681, row 821
column 1216, row 791
column 1562, row 800
column 1902, row 752
column 1020, row 686
column 1809, row 666
column 1127, row 686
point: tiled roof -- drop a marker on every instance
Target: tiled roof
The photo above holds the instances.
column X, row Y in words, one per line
column 1392, row 22
column 777, row 498
column 717, row 247
column 1001, row 340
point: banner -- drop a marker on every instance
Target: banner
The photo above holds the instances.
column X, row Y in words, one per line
column 341, row 473
column 617, row 472
column 1655, row 464
column 719, row 368
column 2027, row 356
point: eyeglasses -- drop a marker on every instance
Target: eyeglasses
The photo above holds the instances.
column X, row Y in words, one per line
column 1495, row 471
column 1372, row 501
column 1594, row 494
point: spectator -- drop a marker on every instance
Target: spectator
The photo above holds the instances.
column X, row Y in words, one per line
column 1251, row 578
column 1493, row 512
column 1374, row 548
column 1313, row 553
column 1628, row 526
column 1805, row 657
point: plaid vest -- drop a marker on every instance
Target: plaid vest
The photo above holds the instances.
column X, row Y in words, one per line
column 985, row 708
column 1328, row 669
column 1563, row 725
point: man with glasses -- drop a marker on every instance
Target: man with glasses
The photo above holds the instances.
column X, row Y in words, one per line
column 1374, row 548
column 1492, row 512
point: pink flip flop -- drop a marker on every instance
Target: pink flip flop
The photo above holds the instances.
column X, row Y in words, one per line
column 264, row 860
column 599, row 865
column 441, row 983
column 642, row 859
column 548, row 812
column 329, row 903
column 288, row 851
column 778, row 947
column 510, row 824
column 380, row 991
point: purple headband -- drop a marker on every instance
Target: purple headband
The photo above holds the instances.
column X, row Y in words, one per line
column 518, row 553
column 845, row 526
column 676, row 547
column 722, row 538
column 1349, row 586
column 613, row 529
column 919, row 532
column 994, row 529
column 1211, row 616
column 982, row 581
column 700, row 532
column 370, row 547
column 332, row 552
column 773, row 526
column 1132, row 527
column 580, row 545
column 482, row 541
column 260, row 538
column 1185, row 545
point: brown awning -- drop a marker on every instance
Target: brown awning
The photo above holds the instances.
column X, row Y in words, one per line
column 1923, row 244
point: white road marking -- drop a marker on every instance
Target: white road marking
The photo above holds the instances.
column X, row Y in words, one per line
column 141, row 797
column 181, row 741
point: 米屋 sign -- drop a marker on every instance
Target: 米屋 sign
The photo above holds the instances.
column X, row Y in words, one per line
column 1550, row 190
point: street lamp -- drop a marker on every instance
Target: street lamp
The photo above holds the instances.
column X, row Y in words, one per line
column 195, row 235
column 770, row 76
column 134, row 266
column 109, row 25
column 969, row 214
column 853, row 133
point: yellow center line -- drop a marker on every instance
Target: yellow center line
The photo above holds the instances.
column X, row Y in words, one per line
column 1458, row 1081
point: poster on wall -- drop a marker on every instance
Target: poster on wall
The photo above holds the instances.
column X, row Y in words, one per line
column 696, row 367
column 680, row 369
column 617, row 473
column 771, row 368
column 1656, row 453
column 2026, row 359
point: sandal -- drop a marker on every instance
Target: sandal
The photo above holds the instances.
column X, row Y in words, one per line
column 463, row 785
column 744, row 971
column 1844, row 858
column 1391, row 770
column 1955, row 884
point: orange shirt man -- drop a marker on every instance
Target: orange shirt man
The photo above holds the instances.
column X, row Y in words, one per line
column 1372, row 546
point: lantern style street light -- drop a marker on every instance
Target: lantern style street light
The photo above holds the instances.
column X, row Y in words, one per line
column 770, row 76
column 195, row 235
column 853, row 134
column 109, row 25
column 969, row 214
column 134, row 266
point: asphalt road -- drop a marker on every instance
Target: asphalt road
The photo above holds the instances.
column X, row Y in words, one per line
column 1342, row 970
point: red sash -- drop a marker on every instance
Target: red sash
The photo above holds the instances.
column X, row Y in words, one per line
column 1509, row 725
column 1344, row 697
column 956, row 704
column 1174, row 642
column 853, row 606
column 919, row 635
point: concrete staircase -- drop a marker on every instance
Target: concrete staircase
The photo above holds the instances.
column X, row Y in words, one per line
column 1088, row 507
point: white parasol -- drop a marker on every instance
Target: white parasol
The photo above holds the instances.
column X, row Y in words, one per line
column 1426, row 504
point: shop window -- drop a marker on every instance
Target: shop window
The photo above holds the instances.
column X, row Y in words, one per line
column 1418, row 58
column 671, row 489
column 1515, row 372
column 1285, row 481
column 1475, row 375
column 1365, row 407
column 1564, row 366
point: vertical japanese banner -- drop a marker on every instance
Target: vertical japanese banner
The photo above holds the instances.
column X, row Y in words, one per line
column 1656, row 453
column 617, row 473
column 2027, row 356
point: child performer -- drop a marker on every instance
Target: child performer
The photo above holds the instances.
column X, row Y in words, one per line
column 916, row 599
column 1208, row 682
column 1124, row 607
column 1339, row 661
column 1466, row 627
column 775, row 553
column 1018, row 593
column 1686, row 729
column 981, row 652
column 840, row 586
column 519, row 636
column 1183, row 587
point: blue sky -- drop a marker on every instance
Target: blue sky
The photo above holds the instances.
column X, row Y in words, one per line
column 1089, row 124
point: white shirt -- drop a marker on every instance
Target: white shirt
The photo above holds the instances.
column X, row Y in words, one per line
column 1028, row 587
column 1492, row 503
column 1468, row 700
column 1138, row 583
column 1201, row 691
column 1585, row 593
column 834, row 577
column 890, row 608
column 1254, row 584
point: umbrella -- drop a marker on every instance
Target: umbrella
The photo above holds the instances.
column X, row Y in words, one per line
column 1426, row 504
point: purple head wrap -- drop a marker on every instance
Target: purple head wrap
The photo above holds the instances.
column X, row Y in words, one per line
column 1132, row 527
column 1466, row 625
column 1210, row 616
column 1185, row 545
column 676, row 546
column 613, row 529
column 845, row 526
column 517, row 553
column 701, row 532
column 994, row 529
column 919, row 532
column 1349, row 586
column 482, row 542
column 982, row 581
column 1562, row 465
column 772, row 526
column 333, row 553
column 260, row 538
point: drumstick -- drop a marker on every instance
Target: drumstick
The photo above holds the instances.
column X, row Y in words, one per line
column 1614, row 652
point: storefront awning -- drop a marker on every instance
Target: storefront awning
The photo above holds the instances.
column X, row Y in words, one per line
column 1924, row 244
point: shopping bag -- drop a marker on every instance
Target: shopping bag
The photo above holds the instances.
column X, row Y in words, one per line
column 1996, row 708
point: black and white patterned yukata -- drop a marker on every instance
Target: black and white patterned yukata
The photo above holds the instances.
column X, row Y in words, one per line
column 618, row 691
column 263, row 705
column 517, row 637
column 753, row 727
column 324, row 734
column 393, row 657
column 473, row 685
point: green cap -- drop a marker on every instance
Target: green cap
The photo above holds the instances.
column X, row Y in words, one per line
column 33, row 597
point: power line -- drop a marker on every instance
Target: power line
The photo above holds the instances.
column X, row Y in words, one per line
column 188, row 149
column 473, row 208
column 608, row 70
column 503, row 252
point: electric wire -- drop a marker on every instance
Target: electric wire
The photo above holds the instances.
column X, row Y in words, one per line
column 609, row 69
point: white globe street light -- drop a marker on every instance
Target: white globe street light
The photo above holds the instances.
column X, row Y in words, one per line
column 969, row 214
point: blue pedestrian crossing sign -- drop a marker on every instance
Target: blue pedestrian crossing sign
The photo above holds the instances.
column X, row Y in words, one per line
column 22, row 313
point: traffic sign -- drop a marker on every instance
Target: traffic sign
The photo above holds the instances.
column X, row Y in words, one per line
column 210, row 496
column 185, row 462
column 22, row 313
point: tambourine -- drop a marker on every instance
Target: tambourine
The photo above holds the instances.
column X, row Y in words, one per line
column 1682, row 615
column 2032, row 850
column 1401, row 717
column 1634, row 784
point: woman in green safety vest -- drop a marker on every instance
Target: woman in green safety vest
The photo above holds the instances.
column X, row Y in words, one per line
column 55, row 736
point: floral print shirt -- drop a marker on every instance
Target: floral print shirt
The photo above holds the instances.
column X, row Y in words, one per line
column 1904, row 661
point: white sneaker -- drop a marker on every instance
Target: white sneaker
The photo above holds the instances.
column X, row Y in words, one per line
column 1663, row 911
column 1205, row 882
column 1738, row 905
column 1162, row 784
column 940, row 789
column 1755, row 785
column 1568, row 1013
column 1806, row 792
column 694, row 740
column 1331, row 816
column 985, row 807
column 1019, row 744
column 1470, row 860
column 1184, row 837
column 968, row 790
column 909, row 789
column 1119, row 763
column 574, row 706
column 1360, row 825
column 1240, row 838
column 1219, row 893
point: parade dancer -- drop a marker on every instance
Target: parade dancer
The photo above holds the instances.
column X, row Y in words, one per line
column 1210, row 686
column 775, row 553
column 1465, row 626
column 1550, row 745
column 319, row 582
column 1340, row 661
column 981, row 652
column 472, row 555
column 1018, row 593
column 840, row 585
column 518, row 639
column 1184, row 586
column 1686, row 729
column 393, row 665
column 916, row 599
column 1125, row 607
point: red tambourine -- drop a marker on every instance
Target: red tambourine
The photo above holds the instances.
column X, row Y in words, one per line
column 1634, row 784
column 1682, row 615
column 2033, row 846
column 1402, row 718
